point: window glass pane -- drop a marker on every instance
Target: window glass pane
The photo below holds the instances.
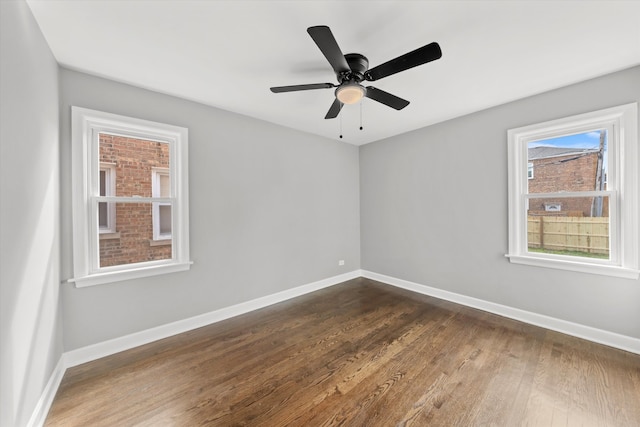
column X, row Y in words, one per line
column 135, row 225
column 134, row 161
column 568, row 163
column 103, row 182
column 574, row 226
column 165, row 219
column 103, row 215
column 165, row 186
column 103, row 208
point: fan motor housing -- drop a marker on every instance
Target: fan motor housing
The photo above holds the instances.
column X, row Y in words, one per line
column 359, row 64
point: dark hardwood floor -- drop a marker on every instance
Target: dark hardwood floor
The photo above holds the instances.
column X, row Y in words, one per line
column 357, row 354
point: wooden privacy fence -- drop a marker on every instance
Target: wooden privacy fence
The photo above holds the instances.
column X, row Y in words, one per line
column 580, row 234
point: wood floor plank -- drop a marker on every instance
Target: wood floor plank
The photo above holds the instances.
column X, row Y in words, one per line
column 357, row 354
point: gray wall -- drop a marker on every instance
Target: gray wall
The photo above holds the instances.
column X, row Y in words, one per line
column 30, row 329
column 434, row 211
column 270, row 209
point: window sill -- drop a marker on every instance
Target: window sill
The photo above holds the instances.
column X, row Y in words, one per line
column 582, row 267
column 109, row 236
column 164, row 242
column 131, row 273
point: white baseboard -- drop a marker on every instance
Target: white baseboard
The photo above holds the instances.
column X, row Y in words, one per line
column 41, row 410
column 600, row 336
column 116, row 345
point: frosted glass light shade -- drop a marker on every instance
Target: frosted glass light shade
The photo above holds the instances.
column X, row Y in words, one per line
column 350, row 94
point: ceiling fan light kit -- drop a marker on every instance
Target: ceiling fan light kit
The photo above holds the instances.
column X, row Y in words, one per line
column 351, row 69
column 350, row 93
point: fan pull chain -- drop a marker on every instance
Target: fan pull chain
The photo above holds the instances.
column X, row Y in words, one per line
column 360, row 115
column 340, row 126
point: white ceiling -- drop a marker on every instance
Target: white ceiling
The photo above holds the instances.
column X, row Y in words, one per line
column 228, row 53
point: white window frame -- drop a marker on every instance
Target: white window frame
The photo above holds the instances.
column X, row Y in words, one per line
column 156, row 174
column 623, row 162
column 110, row 190
column 86, row 126
column 530, row 170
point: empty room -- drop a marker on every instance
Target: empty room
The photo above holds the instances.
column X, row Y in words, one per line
column 314, row 213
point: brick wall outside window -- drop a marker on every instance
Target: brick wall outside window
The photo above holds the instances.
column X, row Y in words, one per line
column 134, row 160
column 577, row 170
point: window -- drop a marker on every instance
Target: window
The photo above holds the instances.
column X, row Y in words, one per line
column 107, row 211
column 580, row 212
column 552, row 207
column 130, row 198
column 161, row 210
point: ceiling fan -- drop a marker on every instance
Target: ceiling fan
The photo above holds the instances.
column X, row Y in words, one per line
column 351, row 69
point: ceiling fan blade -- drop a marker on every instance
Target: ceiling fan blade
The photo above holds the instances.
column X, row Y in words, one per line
column 323, row 37
column 279, row 89
column 386, row 98
column 420, row 56
column 334, row 110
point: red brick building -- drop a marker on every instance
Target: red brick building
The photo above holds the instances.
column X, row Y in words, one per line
column 133, row 232
column 556, row 169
